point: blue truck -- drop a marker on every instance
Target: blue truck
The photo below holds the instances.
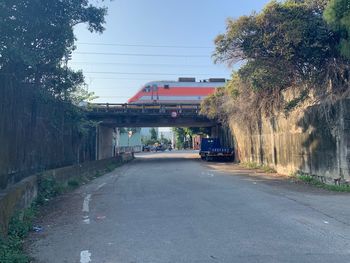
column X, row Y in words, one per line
column 211, row 149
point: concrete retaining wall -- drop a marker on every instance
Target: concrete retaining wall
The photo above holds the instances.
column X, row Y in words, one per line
column 306, row 141
column 22, row 194
column 38, row 133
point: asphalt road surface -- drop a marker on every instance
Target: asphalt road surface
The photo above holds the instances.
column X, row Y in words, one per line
column 173, row 207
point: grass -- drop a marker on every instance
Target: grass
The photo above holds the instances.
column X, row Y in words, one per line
column 308, row 179
column 265, row 168
column 111, row 167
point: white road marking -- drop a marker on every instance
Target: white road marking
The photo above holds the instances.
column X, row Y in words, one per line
column 86, row 221
column 326, row 222
column 101, row 185
column 85, row 256
column 86, row 202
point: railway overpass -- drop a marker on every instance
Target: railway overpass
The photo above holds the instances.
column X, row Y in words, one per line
column 143, row 115
column 112, row 116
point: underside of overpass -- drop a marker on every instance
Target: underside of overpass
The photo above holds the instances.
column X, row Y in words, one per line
column 112, row 116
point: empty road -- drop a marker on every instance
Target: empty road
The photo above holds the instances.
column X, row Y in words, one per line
column 172, row 207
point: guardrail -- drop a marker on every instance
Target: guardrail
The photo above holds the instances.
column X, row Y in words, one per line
column 129, row 149
column 145, row 108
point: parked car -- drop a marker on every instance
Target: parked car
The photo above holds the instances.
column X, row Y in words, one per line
column 146, row 148
column 160, row 148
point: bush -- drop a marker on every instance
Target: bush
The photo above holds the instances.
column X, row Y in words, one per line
column 11, row 247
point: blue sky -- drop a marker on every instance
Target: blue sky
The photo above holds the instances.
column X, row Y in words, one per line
column 140, row 27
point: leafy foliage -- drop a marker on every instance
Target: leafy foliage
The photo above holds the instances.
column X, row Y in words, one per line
column 11, row 247
column 154, row 134
column 37, row 39
column 184, row 136
column 337, row 15
column 288, row 46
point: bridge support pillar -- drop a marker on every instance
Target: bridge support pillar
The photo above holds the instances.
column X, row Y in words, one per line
column 105, row 147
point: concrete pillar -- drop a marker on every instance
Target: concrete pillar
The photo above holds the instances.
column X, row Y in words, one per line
column 105, row 143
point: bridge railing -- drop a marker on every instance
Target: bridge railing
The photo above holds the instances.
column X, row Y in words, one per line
column 129, row 149
column 145, row 108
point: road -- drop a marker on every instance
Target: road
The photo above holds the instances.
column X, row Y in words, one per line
column 172, row 207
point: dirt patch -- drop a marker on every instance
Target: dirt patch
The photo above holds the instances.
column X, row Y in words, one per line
column 274, row 179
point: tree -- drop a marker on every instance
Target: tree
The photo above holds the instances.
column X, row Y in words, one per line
column 37, row 39
column 284, row 45
column 154, row 135
column 180, row 137
column 337, row 15
column 287, row 45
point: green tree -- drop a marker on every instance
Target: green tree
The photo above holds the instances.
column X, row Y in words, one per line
column 37, row 39
column 154, row 135
column 180, row 136
column 287, row 43
column 337, row 15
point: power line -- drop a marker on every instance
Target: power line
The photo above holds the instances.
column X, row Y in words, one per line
column 135, row 64
column 141, row 55
column 141, row 45
column 104, row 78
column 143, row 73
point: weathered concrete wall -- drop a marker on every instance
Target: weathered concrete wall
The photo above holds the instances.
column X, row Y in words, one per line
column 22, row 194
column 306, row 141
column 15, row 198
column 105, row 142
column 37, row 133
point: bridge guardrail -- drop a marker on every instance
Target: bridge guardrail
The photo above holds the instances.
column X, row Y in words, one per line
column 145, row 108
column 129, row 149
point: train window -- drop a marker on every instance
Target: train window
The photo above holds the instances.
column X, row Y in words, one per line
column 166, row 86
column 155, row 87
column 147, row 89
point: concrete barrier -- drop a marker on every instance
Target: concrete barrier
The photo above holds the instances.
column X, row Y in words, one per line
column 22, row 194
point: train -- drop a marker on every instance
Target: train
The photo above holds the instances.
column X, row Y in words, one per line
column 183, row 91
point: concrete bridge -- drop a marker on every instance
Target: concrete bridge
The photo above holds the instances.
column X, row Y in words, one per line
column 112, row 116
column 143, row 115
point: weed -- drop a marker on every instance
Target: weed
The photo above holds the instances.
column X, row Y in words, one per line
column 73, row 184
column 111, row 167
column 48, row 188
column 11, row 247
column 313, row 181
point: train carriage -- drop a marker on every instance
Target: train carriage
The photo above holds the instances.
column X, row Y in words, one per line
column 183, row 91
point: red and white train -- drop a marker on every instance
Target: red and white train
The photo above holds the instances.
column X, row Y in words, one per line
column 183, row 91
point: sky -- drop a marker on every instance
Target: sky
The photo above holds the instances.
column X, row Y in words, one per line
column 147, row 40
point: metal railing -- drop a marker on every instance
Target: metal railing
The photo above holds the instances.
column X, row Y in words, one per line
column 145, row 108
column 128, row 149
